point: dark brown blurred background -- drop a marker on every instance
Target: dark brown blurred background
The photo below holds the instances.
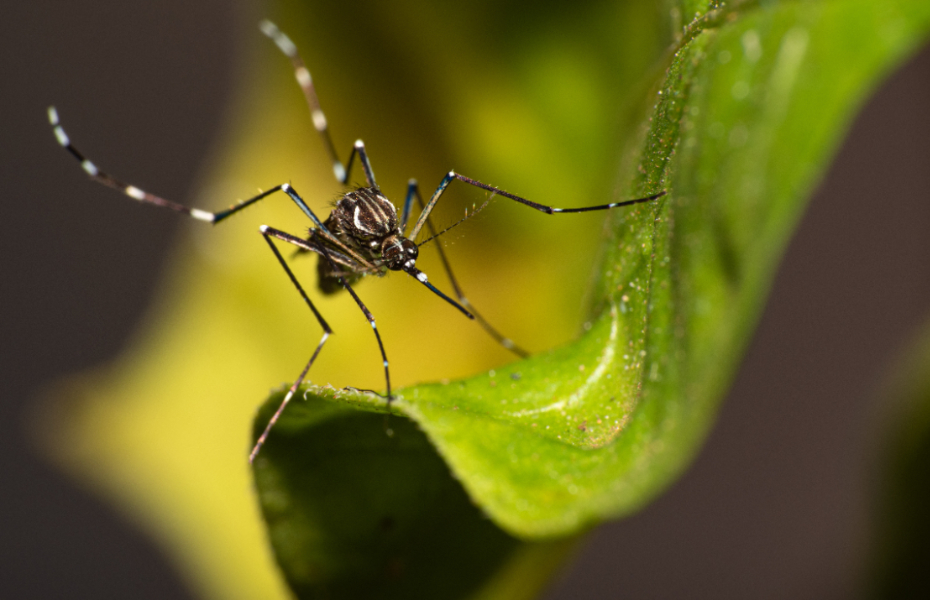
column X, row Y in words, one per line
column 774, row 507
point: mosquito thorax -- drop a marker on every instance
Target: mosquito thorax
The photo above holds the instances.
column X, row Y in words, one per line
column 399, row 253
column 366, row 215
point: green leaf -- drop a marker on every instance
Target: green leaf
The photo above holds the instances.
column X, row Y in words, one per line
column 738, row 125
column 400, row 526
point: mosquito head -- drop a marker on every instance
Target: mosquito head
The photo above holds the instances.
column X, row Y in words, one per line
column 399, row 253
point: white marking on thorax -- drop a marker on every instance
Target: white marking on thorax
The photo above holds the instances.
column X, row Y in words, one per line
column 358, row 222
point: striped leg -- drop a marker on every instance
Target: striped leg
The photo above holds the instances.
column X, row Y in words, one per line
column 322, row 250
column 130, row 190
column 147, row 198
column 305, row 80
column 413, row 191
column 286, row 46
column 452, row 175
column 303, row 374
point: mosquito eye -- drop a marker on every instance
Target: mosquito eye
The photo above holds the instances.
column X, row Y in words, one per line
column 410, row 249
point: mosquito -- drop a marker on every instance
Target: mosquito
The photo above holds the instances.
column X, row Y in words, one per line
column 363, row 235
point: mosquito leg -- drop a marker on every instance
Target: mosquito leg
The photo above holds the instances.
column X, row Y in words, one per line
column 303, row 77
column 130, row 190
column 303, row 374
column 146, row 198
column 284, row 187
column 413, row 191
column 374, row 327
column 323, row 251
column 359, row 148
column 452, row 175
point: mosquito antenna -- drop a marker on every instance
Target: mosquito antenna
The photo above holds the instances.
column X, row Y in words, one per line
column 466, row 217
